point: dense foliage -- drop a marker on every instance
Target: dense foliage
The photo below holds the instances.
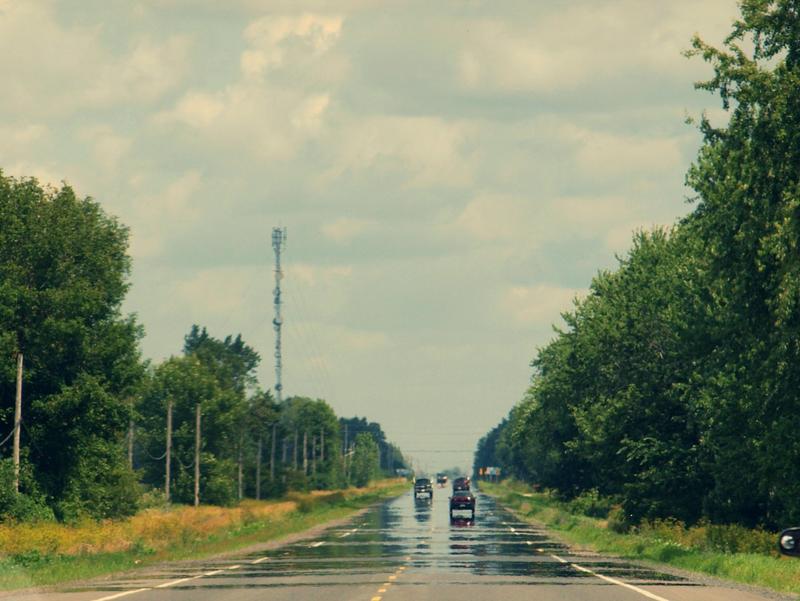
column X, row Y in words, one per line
column 673, row 387
column 94, row 421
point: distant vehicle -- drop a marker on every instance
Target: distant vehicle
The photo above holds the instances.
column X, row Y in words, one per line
column 462, row 500
column 441, row 479
column 422, row 487
column 789, row 542
column 462, row 483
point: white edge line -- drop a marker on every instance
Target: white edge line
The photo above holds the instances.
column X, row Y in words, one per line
column 122, row 594
column 174, row 582
column 319, row 543
column 641, row 591
column 562, row 560
column 260, row 560
column 168, row 584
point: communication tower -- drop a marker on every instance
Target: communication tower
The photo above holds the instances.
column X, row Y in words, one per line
column 278, row 243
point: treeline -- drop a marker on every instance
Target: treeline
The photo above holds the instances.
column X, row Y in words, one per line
column 102, row 430
column 674, row 387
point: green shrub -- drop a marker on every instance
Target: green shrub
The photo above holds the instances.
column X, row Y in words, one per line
column 591, row 503
column 618, row 520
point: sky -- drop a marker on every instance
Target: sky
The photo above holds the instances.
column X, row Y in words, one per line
column 450, row 174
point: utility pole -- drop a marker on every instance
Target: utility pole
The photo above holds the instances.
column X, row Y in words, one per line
column 168, row 454
column 197, row 456
column 322, row 445
column 278, row 243
column 17, row 422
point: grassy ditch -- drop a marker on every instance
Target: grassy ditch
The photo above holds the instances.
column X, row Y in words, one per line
column 48, row 553
column 729, row 552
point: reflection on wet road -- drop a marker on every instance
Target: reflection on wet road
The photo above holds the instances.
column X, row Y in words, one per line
column 408, row 549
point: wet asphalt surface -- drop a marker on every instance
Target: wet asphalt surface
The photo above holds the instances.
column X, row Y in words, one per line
column 403, row 550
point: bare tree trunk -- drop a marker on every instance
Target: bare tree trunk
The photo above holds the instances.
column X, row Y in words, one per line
column 131, row 429
column 17, row 422
column 197, row 456
column 258, row 470
column 272, row 453
column 314, row 455
column 168, row 454
column 305, row 453
column 322, row 446
column 241, row 468
column 294, row 451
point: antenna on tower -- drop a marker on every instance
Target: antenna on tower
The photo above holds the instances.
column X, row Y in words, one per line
column 278, row 243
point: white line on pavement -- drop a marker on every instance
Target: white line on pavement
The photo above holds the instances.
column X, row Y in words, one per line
column 641, row 591
column 122, row 594
column 319, row 543
column 260, row 560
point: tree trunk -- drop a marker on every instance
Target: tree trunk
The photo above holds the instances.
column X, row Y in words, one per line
column 294, row 451
column 131, row 430
column 241, row 468
column 305, row 453
column 17, row 422
column 258, row 470
column 168, row 454
column 197, row 457
column 272, row 453
column 314, row 455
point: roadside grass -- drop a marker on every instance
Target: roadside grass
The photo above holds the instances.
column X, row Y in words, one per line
column 45, row 554
column 663, row 542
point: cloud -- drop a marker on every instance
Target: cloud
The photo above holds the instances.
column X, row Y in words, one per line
column 262, row 114
column 568, row 47
column 108, row 147
column 344, row 229
column 53, row 69
column 271, row 39
column 607, row 154
column 156, row 217
column 423, row 151
column 539, row 305
column 495, row 217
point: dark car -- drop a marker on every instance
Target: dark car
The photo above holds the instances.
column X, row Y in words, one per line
column 441, row 479
column 462, row 500
column 789, row 542
column 423, row 487
column 462, row 483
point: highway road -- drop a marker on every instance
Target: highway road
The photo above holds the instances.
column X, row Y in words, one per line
column 403, row 550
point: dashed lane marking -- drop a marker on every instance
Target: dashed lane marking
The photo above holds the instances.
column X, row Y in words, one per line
column 260, row 560
column 319, row 543
column 562, row 560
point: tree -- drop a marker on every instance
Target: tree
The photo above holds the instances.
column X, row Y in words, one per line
column 747, row 219
column 365, row 460
column 63, row 276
